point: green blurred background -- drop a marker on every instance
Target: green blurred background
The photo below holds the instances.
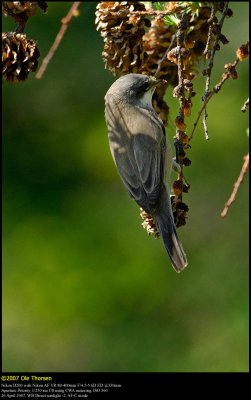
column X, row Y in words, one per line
column 84, row 287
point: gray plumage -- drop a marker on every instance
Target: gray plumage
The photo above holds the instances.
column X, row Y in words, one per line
column 142, row 154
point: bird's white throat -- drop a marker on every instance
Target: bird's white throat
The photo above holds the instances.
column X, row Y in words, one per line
column 146, row 99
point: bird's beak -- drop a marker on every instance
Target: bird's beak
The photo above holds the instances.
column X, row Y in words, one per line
column 154, row 81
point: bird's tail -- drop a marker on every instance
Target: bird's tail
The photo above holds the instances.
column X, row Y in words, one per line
column 163, row 218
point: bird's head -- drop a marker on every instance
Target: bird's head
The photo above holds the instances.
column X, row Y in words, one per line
column 136, row 89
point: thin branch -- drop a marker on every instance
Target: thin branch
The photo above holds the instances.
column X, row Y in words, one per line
column 230, row 69
column 20, row 22
column 232, row 198
column 245, row 105
column 179, row 36
column 65, row 22
column 210, row 29
column 210, row 94
column 208, row 70
column 149, row 12
column 205, row 124
column 179, row 134
column 206, row 53
column 165, row 55
column 216, row 42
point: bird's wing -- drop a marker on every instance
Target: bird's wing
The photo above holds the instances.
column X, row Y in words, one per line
column 149, row 157
column 138, row 144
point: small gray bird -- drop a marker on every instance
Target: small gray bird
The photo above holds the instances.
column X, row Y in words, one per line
column 142, row 154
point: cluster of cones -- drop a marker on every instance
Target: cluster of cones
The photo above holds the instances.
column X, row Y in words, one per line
column 140, row 40
column 19, row 54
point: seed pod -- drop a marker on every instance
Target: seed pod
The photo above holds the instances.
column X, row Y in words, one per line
column 149, row 224
column 20, row 11
column 178, row 187
column 179, row 122
column 13, row 8
column 19, row 56
column 187, row 108
column 243, row 52
column 187, row 162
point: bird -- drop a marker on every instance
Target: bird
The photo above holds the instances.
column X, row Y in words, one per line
column 142, row 154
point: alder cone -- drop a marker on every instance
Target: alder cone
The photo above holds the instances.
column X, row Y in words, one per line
column 13, row 8
column 28, row 8
column 19, row 56
column 122, row 34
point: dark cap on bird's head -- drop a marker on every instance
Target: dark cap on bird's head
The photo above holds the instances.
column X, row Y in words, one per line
column 133, row 85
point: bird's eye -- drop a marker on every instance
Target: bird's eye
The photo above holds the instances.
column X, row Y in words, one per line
column 145, row 86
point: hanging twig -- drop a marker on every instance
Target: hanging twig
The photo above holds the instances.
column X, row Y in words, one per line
column 206, row 53
column 230, row 71
column 232, row 198
column 165, row 55
column 150, row 12
column 210, row 29
column 181, row 71
column 245, row 105
column 73, row 12
column 208, row 70
column 20, row 22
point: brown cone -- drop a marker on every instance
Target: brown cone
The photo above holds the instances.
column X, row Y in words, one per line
column 122, row 35
column 19, row 56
